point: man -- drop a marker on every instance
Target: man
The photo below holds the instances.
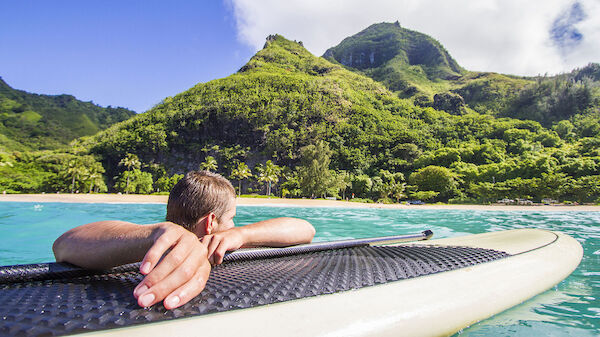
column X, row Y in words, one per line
column 175, row 263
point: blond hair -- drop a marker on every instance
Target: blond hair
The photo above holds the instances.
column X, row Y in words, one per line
column 198, row 194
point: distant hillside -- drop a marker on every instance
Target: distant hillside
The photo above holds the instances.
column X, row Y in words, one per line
column 31, row 121
column 414, row 65
column 548, row 99
column 405, row 61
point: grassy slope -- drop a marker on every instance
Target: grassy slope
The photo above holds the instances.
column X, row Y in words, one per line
column 30, row 121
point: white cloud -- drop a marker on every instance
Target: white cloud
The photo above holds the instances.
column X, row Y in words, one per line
column 590, row 29
column 506, row 36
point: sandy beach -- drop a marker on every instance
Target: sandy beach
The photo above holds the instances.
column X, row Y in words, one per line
column 162, row 199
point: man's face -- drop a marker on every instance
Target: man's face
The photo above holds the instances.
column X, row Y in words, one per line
column 226, row 221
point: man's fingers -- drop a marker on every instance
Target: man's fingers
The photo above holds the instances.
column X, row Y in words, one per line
column 180, row 276
column 191, row 289
column 162, row 244
column 151, row 259
column 206, row 240
column 214, row 244
column 219, row 254
column 177, row 257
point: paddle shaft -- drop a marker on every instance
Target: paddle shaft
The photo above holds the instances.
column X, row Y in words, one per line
column 49, row 271
column 262, row 253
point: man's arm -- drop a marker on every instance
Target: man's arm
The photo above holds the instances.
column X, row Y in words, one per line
column 278, row 232
column 104, row 244
column 180, row 275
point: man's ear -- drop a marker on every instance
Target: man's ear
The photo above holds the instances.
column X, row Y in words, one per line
column 209, row 223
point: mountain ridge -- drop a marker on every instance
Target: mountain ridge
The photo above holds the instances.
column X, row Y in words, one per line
column 435, row 79
column 30, row 121
column 396, row 56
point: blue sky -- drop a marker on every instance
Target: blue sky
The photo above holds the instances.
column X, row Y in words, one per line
column 120, row 53
column 134, row 53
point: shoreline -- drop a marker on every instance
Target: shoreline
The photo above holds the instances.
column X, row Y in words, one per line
column 162, row 199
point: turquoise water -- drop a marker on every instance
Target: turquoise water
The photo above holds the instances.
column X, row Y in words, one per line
column 572, row 308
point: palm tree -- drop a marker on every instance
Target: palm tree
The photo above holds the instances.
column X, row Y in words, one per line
column 397, row 190
column 241, row 172
column 209, row 164
column 344, row 181
column 75, row 170
column 94, row 178
column 270, row 175
column 131, row 162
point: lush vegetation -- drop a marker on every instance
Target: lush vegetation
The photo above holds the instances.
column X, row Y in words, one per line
column 407, row 62
column 413, row 65
column 33, row 122
column 49, row 171
column 295, row 125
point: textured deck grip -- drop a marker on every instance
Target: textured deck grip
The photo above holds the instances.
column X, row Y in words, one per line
column 83, row 303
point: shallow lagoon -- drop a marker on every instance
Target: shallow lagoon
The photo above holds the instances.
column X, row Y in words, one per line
column 572, row 308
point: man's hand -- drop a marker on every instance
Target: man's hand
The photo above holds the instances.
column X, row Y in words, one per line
column 219, row 243
column 180, row 275
column 279, row 232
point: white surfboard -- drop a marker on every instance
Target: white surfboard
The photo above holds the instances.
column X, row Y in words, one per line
column 433, row 305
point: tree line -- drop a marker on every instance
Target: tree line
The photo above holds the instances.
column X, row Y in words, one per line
column 312, row 178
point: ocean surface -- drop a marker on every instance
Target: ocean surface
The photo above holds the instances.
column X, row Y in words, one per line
column 572, row 308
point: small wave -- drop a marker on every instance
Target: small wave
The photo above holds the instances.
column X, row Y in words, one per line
column 591, row 273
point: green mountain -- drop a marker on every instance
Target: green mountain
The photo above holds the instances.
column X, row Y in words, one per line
column 406, row 61
column 332, row 130
column 31, row 121
column 288, row 106
column 284, row 98
column 414, row 65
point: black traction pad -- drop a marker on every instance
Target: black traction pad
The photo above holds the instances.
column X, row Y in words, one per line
column 84, row 303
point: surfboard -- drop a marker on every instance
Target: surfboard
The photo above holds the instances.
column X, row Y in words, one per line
column 371, row 288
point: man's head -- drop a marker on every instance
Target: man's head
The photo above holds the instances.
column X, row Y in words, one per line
column 203, row 202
